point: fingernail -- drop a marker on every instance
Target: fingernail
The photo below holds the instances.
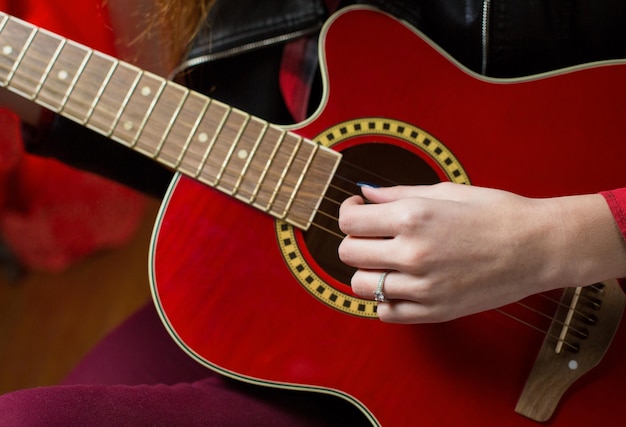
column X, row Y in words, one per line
column 367, row 184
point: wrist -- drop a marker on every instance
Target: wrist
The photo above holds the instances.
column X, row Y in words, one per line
column 590, row 247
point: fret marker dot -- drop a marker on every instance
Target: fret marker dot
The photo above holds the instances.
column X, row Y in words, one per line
column 242, row 154
column 145, row 91
column 62, row 75
column 7, row 50
column 128, row 125
column 203, row 137
column 573, row 365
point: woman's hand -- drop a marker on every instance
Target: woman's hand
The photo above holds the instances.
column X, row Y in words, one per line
column 453, row 250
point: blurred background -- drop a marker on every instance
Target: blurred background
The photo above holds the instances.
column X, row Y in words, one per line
column 49, row 320
column 73, row 246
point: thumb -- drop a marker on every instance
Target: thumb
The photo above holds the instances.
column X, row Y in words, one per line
column 441, row 191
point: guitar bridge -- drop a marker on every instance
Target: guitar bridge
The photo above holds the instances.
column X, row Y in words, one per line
column 579, row 336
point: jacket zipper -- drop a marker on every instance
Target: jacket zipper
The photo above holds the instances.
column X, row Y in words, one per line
column 485, row 34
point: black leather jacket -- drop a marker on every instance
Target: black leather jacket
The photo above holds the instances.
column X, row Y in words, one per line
column 501, row 38
column 239, row 53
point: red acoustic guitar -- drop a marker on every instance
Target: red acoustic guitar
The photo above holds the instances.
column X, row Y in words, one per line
column 247, row 278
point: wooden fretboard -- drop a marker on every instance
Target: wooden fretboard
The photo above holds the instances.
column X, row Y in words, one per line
column 260, row 164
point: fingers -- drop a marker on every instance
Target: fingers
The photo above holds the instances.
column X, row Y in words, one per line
column 369, row 254
column 364, row 220
column 440, row 191
column 406, row 301
column 397, row 285
column 376, row 234
column 410, row 312
column 402, row 304
column 387, row 210
column 405, row 230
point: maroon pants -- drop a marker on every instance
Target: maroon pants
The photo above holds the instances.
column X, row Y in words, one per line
column 138, row 376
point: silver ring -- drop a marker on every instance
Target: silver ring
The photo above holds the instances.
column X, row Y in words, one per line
column 379, row 296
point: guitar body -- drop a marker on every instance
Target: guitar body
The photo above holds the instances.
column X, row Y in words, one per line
column 226, row 292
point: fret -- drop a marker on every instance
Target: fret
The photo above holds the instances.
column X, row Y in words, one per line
column 111, row 105
column 129, row 93
column 35, row 64
column 183, row 129
column 175, row 117
column 242, row 192
column 312, row 186
column 14, row 40
column 205, row 157
column 157, row 124
column 5, row 50
column 89, row 87
column 100, row 89
column 72, row 85
column 140, row 105
column 117, row 120
column 196, row 152
column 229, row 163
column 275, row 206
column 5, row 18
column 23, row 51
column 119, row 115
column 276, row 172
column 48, row 69
column 218, row 155
column 301, row 173
column 278, row 136
column 63, row 75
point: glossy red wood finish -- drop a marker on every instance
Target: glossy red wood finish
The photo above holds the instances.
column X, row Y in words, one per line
column 228, row 298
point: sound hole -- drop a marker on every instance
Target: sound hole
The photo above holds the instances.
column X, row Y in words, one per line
column 374, row 163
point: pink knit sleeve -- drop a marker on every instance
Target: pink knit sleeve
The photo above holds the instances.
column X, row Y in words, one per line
column 617, row 203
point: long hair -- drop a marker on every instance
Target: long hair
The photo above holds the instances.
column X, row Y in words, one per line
column 180, row 20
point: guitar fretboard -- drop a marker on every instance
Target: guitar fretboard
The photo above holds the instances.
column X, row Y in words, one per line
column 260, row 164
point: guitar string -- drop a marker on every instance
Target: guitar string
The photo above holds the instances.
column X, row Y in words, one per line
column 578, row 312
column 341, row 236
column 580, row 332
column 571, row 346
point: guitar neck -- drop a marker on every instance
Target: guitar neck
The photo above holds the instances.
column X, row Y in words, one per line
column 260, row 164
